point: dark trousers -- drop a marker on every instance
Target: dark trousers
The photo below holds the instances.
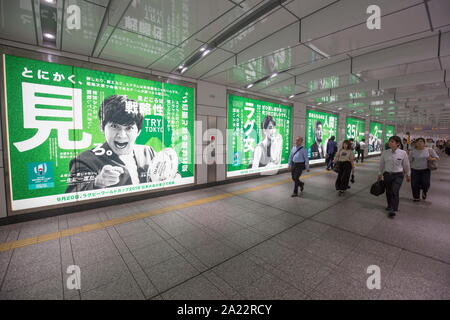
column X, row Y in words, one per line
column 296, row 173
column 345, row 170
column 420, row 179
column 393, row 182
column 360, row 154
column 329, row 160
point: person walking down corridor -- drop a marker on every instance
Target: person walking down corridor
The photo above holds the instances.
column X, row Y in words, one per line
column 394, row 164
column 298, row 161
column 331, row 152
column 345, row 160
column 362, row 150
column 420, row 173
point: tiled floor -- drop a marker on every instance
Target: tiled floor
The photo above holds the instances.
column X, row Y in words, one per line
column 255, row 245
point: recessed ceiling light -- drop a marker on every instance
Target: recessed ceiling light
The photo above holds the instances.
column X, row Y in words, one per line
column 206, row 52
column 49, row 36
column 249, row 86
column 50, row 1
column 291, row 96
column 274, row 75
column 184, row 70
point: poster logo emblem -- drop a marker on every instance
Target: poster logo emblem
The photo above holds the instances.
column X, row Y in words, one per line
column 40, row 175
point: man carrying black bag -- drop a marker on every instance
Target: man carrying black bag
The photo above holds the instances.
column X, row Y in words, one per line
column 298, row 161
column 377, row 188
column 394, row 163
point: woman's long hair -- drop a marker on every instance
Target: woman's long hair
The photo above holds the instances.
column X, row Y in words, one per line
column 347, row 144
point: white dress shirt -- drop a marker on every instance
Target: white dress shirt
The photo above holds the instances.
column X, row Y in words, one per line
column 395, row 161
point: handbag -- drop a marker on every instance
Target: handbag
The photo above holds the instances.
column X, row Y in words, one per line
column 432, row 164
column 336, row 167
column 378, row 188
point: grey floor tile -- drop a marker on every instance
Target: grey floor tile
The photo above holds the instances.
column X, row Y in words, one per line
column 224, row 228
column 92, row 255
column 389, row 254
column 175, row 229
column 154, row 254
column 85, row 240
column 213, row 253
column 123, row 288
column 271, row 226
column 246, row 238
column 272, row 252
column 142, row 239
column 249, row 219
column 313, row 227
column 340, row 286
column 170, row 273
column 296, row 238
column 100, row 274
column 332, row 251
column 147, row 287
column 23, row 275
column 198, row 288
column 414, row 287
column 417, row 265
column 35, row 253
column 194, row 239
column 303, row 271
column 357, row 263
column 48, row 289
column 269, row 287
column 223, row 286
column 239, row 272
column 289, row 218
column 132, row 228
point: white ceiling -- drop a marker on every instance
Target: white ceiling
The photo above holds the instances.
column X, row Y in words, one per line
column 322, row 49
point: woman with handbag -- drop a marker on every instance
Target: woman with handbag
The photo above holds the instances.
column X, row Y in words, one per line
column 423, row 160
column 345, row 162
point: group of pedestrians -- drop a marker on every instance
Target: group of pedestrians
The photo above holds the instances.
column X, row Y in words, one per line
column 395, row 164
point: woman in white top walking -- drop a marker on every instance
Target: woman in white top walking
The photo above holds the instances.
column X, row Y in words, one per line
column 420, row 174
column 345, row 159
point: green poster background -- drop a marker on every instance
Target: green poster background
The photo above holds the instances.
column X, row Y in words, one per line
column 355, row 128
column 375, row 135
column 329, row 128
column 245, row 117
column 390, row 131
column 65, row 100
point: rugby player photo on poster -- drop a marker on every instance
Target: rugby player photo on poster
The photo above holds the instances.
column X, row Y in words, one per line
column 375, row 134
column 268, row 151
column 119, row 161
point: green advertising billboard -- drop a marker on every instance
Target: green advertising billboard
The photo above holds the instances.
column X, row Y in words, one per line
column 390, row 131
column 320, row 126
column 355, row 128
column 258, row 136
column 375, row 135
column 76, row 134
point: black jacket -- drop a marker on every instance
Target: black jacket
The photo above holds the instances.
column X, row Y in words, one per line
column 86, row 166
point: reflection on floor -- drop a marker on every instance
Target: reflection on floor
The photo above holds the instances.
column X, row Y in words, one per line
column 259, row 244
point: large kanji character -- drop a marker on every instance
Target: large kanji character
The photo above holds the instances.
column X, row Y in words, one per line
column 59, row 114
